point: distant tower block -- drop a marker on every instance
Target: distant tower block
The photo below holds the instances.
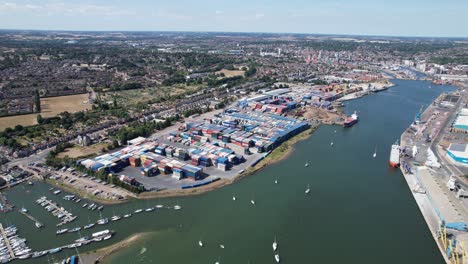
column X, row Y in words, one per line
column 279, row 52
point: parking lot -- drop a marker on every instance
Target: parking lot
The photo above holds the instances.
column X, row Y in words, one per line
column 88, row 185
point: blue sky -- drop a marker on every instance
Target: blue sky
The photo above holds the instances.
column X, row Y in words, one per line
column 447, row 18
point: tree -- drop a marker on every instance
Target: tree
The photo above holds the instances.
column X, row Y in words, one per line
column 37, row 101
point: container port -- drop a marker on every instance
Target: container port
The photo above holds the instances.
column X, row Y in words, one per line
column 432, row 155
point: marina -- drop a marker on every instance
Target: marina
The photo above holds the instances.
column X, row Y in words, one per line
column 52, row 207
column 11, row 246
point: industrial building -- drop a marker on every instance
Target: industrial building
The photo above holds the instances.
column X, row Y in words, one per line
column 458, row 152
column 461, row 123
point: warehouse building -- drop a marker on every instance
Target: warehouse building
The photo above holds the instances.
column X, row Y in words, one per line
column 458, row 152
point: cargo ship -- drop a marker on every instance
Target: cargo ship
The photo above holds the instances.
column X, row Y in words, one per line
column 395, row 155
column 351, row 120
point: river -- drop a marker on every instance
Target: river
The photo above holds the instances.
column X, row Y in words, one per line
column 358, row 210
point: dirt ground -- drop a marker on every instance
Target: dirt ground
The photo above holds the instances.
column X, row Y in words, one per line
column 78, row 151
column 322, row 115
column 231, row 73
column 49, row 107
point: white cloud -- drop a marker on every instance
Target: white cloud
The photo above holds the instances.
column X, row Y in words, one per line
column 259, row 15
column 55, row 8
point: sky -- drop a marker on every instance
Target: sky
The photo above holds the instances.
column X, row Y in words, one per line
column 432, row 18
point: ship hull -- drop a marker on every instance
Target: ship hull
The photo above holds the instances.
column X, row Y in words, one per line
column 350, row 123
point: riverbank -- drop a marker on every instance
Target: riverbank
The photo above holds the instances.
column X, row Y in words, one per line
column 278, row 154
column 99, row 255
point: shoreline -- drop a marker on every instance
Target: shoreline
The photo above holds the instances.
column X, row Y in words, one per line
column 282, row 152
column 98, row 255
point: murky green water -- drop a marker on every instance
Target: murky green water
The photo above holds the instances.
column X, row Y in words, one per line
column 358, row 211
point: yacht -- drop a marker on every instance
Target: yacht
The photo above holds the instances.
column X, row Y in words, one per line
column 38, row 225
column 233, row 198
column 61, row 231
column 200, row 243
column 127, row 215
column 177, row 207
column 76, row 229
column 137, row 211
column 39, row 254
column 308, row 189
column 150, row 209
column 88, row 226
column 252, row 202
column 102, row 221
column 277, row 258
column 116, row 218
column 275, row 245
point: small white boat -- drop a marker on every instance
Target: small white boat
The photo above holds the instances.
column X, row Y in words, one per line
column 138, row 211
column 252, row 202
column 150, row 209
column 38, row 225
column 276, row 181
column 275, row 245
column 159, row 206
column 375, row 153
column 277, row 258
column 24, row 210
column 331, row 143
column 177, row 207
column 233, row 198
column 115, row 218
column 306, row 165
column 107, row 237
column 221, row 246
column 307, row 190
column 127, row 215
column 200, row 243
column 102, row 221
column 88, row 226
